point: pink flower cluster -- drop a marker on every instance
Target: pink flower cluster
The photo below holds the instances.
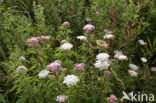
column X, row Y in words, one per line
column 45, row 38
column 97, row 12
column 38, row 5
column 88, row 28
column 107, row 73
column 22, row 58
column 79, row 67
column 55, row 66
column 32, row 41
column 63, row 41
column 35, row 40
column 153, row 69
column 21, row 68
column 112, row 98
column 66, row 24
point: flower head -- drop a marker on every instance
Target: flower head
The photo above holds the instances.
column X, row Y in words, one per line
column 133, row 73
column 104, row 64
column 81, row 37
column 133, row 66
column 22, row 58
column 102, row 61
column 153, row 69
column 102, row 43
column 142, row 42
column 107, row 73
column 108, row 36
column 66, row 24
column 45, row 38
column 102, row 56
column 112, row 98
column 143, row 59
column 55, row 66
column 123, row 57
column 117, row 54
column 38, row 5
column 63, row 41
column 61, row 98
column 44, row 73
column 21, row 68
column 32, row 41
column 70, row 80
column 97, row 12
column 79, row 67
column 66, row 46
column 88, row 28
column 38, row 38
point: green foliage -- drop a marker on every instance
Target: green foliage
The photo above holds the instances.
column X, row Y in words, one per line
column 22, row 19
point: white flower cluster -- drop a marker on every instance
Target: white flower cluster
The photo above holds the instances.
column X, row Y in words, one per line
column 133, row 70
column 142, row 42
column 66, row 46
column 108, row 34
column 44, row 73
column 81, row 37
column 143, row 59
column 133, row 73
column 133, row 66
column 70, row 80
column 61, row 98
column 119, row 55
column 102, row 61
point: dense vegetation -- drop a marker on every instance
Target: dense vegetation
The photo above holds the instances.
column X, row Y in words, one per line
column 77, row 51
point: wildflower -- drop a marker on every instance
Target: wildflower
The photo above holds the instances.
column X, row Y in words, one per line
column 22, row 58
column 44, row 73
column 63, row 41
column 102, row 61
column 66, row 24
column 108, row 36
column 102, row 56
column 66, row 46
column 153, row 69
column 97, row 12
column 55, row 66
column 102, row 43
column 143, row 59
column 142, row 42
column 79, row 67
column 70, row 80
column 107, row 73
column 46, row 38
column 112, row 98
column 88, row 28
column 61, row 98
column 81, row 37
column 104, row 64
column 38, row 5
column 133, row 66
column 123, row 57
column 108, row 31
column 117, row 54
column 133, row 73
column 32, row 41
column 21, row 68
column 38, row 38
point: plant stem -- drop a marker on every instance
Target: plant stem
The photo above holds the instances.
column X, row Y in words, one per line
column 119, row 79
